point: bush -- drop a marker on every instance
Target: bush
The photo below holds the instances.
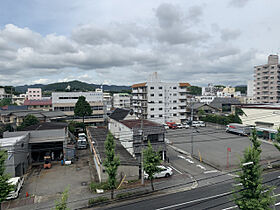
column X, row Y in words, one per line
column 222, row 120
column 93, row 186
column 124, row 195
column 93, row 201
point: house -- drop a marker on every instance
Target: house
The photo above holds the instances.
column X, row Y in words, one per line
column 44, row 137
column 19, row 158
column 224, row 104
column 16, row 116
column 128, row 168
column 130, row 133
column 200, row 106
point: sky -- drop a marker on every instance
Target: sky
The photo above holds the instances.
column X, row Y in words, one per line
column 122, row 42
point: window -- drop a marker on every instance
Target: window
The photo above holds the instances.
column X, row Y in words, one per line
column 160, row 94
column 174, row 88
column 175, row 101
column 152, row 116
column 160, row 115
column 174, row 94
column 152, row 94
column 152, row 109
column 160, row 108
column 160, row 102
column 174, row 115
column 160, row 88
column 174, row 107
column 152, row 88
column 272, row 67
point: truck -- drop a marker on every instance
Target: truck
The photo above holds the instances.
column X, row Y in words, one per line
column 242, row 130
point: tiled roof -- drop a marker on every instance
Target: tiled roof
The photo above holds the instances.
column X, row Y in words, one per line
column 137, row 123
column 119, row 114
column 46, row 126
column 184, row 84
column 139, row 85
column 218, row 102
column 99, row 135
column 37, row 102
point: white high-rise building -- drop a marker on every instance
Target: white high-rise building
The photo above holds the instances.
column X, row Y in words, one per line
column 121, row 100
column 34, row 94
column 160, row 101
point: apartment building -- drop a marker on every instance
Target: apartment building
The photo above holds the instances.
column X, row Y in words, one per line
column 65, row 102
column 267, row 81
column 160, row 101
column 34, row 94
column 121, row 100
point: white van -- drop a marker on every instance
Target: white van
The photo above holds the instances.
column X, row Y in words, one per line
column 18, row 183
column 198, row 124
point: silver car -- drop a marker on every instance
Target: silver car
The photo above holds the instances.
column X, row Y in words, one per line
column 165, row 172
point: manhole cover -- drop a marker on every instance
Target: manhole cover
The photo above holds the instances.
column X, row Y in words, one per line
column 84, row 183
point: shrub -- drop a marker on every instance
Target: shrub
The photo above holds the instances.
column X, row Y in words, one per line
column 93, row 186
column 97, row 200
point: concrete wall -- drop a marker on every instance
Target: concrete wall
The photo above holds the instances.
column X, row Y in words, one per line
column 127, row 171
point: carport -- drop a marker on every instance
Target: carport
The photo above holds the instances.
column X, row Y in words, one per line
column 38, row 150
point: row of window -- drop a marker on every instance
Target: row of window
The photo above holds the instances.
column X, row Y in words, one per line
column 63, row 97
column 34, row 96
column 34, row 91
column 71, row 108
column 153, row 116
column 160, row 88
column 160, row 94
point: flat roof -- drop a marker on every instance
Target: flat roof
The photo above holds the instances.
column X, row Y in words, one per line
column 5, row 142
column 137, row 123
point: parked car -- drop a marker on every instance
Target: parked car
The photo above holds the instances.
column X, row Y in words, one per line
column 186, row 125
column 179, row 125
column 17, row 182
column 166, row 126
column 171, row 125
column 165, row 172
column 198, row 124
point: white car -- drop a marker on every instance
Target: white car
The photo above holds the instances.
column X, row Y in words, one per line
column 165, row 172
column 186, row 126
column 198, row 124
column 179, row 126
column 17, row 182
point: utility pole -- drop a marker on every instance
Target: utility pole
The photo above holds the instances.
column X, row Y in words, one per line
column 142, row 145
column 191, row 125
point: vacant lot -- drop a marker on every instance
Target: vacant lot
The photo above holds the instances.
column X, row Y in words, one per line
column 211, row 143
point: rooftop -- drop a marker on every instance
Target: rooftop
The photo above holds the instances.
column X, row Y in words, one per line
column 99, row 135
column 137, row 123
column 6, row 142
column 46, row 126
column 139, row 85
column 37, row 102
column 119, row 114
column 218, row 102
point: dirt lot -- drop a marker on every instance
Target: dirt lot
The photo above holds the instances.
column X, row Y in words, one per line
column 51, row 182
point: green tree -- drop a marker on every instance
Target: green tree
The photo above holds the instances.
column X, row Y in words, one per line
column 29, row 120
column 201, row 113
column 5, row 102
column 151, row 162
column 5, row 187
column 111, row 163
column 82, row 108
column 62, row 203
column 252, row 194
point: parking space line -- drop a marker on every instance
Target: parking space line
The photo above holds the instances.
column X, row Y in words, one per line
column 188, row 160
column 176, row 169
column 209, row 172
column 202, row 167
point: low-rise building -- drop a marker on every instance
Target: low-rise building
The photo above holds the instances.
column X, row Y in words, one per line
column 39, row 104
column 19, row 100
column 195, row 108
column 128, row 168
column 224, row 104
column 66, row 101
column 3, row 94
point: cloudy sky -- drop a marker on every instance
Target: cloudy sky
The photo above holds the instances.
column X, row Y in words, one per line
column 123, row 41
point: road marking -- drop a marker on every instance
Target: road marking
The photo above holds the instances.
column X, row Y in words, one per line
column 193, row 201
column 180, row 156
column 239, row 184
column 277, row 204
column 209, row 172
column 190, row 161
column 186, row 159
column 202, row 167
column 176, row 169
column 232, row 207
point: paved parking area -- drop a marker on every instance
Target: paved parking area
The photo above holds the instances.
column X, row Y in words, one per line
column 211, row 143
column 48, row 183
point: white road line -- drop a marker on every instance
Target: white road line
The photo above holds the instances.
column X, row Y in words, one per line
column 202, row 167
column 193, row 201
column 239, row 184
column 209, row 172
column 180, row 156
column 190, row 161
column 277, row 204
column 176, row 169
column 232, row 207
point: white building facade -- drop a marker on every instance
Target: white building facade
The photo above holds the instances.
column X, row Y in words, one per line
column 34, row 94
column 121, row 100
column 160, row 102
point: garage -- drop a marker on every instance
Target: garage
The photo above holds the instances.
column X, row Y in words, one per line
column 39, row 150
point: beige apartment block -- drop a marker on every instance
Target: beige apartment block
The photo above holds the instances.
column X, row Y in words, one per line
column 267, row 81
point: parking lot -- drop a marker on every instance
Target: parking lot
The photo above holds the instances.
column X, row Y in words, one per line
column 213, row 145
column 50, row 183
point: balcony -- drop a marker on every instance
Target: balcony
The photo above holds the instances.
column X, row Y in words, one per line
column 183, row 96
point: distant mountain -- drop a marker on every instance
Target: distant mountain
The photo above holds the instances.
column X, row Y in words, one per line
column 75, row 86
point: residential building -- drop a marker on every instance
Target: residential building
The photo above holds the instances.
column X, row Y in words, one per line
column 267, row 81
column 250, row 88
column 205, row 99
column 19, row 158
column 39, row 104
column 19, row 100
column 128, row 168
column 16, row 117
column 211, row 90
column 3, row 94
column 129, row 132
column 160, row 101
column 121, row 100
column 34, row 94
column 195, row 108
column 66, row 101
column 224, row 104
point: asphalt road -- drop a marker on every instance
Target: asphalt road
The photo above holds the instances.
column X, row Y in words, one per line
column 211, row 144
column 215, row 196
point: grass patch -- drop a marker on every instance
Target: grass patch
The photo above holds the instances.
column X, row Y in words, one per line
column 129, row 194
column 93, row 186
column 93, row 201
